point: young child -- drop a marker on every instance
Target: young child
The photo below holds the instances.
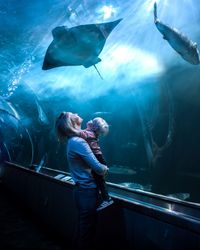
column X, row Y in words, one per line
column 95, row 128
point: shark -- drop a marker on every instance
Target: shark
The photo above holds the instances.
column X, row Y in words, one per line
column 79, row 45
column 178, row 41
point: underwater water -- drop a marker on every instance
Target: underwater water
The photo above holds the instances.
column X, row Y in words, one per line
column 148, row 93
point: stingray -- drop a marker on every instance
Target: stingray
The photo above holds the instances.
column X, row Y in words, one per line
column 79, row 45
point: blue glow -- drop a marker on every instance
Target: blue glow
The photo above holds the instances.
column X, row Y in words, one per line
column 135, row 45
column 149, row 94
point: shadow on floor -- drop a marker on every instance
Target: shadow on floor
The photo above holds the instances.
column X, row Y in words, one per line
column 20, row 230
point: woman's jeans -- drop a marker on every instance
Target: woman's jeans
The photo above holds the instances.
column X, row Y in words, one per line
column 86, row 202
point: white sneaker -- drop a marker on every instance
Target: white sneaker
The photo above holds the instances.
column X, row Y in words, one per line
column 105, row 204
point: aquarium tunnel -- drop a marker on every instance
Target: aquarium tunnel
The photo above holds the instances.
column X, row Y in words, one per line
column 136, row 64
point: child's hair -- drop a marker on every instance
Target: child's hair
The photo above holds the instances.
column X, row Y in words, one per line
column 99, row 125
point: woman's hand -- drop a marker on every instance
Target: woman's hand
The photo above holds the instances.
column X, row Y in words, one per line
column 106, row 171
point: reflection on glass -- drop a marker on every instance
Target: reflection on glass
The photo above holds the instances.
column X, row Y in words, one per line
column 15, row 139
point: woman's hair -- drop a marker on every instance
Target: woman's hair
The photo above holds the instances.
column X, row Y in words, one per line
column 65, row 127
column 100, row 126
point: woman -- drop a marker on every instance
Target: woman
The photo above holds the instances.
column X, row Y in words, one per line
column 81, row 163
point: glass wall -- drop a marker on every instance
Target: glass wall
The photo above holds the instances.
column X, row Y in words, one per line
column 146, row 87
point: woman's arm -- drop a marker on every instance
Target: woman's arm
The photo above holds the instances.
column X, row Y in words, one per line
column 83, row 149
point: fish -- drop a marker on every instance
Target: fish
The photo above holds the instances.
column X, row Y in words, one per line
column 180, row 196
column 122, row 170
column 134, row 185
column 101, row 113
column 129, row 145
column 79, row 45
column 178, row 41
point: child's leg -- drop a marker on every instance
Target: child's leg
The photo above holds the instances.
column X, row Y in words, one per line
column 101, row 185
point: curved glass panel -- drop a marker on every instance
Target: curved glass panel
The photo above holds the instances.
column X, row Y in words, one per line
column 16, row 143
column 120, row 68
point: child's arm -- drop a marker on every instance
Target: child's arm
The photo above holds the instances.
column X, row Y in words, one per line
column 83, row 134
column 86, row 134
